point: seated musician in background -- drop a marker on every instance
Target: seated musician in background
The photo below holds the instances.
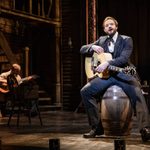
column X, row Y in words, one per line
column 15, row 71
column 120, row 47
column 10, row 79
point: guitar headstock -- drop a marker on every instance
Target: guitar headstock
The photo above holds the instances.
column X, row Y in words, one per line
column 130, row 70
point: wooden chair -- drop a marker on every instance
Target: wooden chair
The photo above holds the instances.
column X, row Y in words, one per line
column 23, row 99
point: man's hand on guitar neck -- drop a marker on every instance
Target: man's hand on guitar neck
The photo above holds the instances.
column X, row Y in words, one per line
column 97, row 49
column 102, row 67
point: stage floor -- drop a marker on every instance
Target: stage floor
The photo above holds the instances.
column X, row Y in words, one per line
column 67, row 127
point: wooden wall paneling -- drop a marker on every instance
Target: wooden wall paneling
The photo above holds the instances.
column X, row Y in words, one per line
column 71, row 79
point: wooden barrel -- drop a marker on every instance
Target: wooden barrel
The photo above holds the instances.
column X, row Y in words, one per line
column 116, row 112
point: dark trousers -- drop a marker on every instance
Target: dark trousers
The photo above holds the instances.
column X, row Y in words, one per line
column 3, row 103
column 95, row 89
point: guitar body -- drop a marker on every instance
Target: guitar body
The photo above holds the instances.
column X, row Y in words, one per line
column 93, row 62
column 3, row 88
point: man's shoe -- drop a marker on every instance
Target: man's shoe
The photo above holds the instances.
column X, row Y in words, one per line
column 93, row 133
column 145, row 134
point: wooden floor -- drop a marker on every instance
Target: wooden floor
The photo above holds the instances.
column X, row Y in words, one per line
column 67, row 127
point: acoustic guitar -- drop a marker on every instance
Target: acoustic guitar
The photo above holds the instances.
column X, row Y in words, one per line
column 92, row 62
column 4, row 87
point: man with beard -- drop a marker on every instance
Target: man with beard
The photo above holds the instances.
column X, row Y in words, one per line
column 120, row 47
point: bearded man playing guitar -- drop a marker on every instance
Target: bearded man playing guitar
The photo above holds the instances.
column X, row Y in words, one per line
column 11, row 79
column 120, row 47
column 15, row 70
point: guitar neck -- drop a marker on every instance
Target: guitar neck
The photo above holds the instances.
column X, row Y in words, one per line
column 24, row 79
column 127, row 70
column 28, row 78
column 116, row 69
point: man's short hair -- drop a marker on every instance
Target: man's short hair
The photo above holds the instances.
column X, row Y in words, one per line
column 110, row 18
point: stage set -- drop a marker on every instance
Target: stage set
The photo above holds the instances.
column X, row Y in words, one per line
column 45, row 37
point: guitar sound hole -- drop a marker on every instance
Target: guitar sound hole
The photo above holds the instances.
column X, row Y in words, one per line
column 98, row 63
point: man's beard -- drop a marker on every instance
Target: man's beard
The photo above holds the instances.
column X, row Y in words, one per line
column 112, row 34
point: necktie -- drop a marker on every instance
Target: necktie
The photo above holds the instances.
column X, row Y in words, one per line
column 110, row 41
column 110, row 44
